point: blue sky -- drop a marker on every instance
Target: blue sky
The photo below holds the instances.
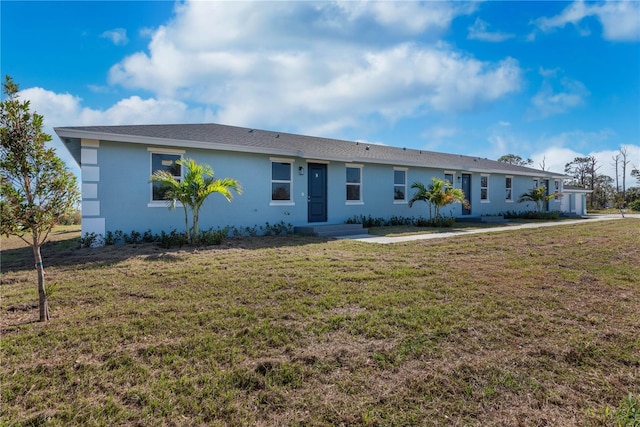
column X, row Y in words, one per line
column 546, row 80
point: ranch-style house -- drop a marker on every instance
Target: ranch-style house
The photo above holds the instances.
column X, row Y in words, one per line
column 301, row 180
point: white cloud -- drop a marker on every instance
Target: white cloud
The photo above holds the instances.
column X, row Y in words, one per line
column 242, row 60
column 439, row 132
column 557, row 95
column 118, row 36
column 409, row 17
column 620, row 20
column 480, row 31
column 67, row 110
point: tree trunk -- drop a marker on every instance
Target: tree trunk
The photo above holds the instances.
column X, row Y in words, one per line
column 42, row 294
column 186, row 223
column 196, row 233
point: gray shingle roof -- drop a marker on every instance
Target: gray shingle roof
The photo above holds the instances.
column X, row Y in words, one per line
column 232, row 138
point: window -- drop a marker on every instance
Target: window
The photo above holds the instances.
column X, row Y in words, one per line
column 164, row 161
column 484, row 188
column 281, row 181
column 354, row 184
column 508, row 185
column 448, row 177
column 399, row 185
column 536, row 183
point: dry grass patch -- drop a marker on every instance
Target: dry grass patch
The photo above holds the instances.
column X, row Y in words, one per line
column 530, row 327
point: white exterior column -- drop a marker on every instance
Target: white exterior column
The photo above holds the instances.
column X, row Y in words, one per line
column 91, row 220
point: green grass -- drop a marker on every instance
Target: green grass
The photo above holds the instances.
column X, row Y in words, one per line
column 527, row 327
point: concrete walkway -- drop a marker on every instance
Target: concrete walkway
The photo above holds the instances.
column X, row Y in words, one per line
column 386, row 240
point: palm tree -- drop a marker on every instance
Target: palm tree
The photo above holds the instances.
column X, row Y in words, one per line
column 538, row 196
column 198, row 184
column 439, row 194
column 422, row 195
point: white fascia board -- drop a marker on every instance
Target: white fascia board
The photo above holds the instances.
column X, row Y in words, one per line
column 534, row 174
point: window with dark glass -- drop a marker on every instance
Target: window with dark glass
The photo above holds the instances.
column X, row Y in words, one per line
column 399, row 185
column 164, row 162
column 280, row 181
column 448, row 177
column 484, row 187
column 508, row 188
column 354, row 183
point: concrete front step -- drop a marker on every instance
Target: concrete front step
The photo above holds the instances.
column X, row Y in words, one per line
column 331, row 230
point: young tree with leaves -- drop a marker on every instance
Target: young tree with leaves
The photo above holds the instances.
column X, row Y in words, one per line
column 36, row 188
column 193, row 189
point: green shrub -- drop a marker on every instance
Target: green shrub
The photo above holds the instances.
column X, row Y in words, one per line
column 369, row 221
column 531, row 215
column 635, row 205
column 212, row 237
column 172, row 239
column 90, row 240
column 435, row 222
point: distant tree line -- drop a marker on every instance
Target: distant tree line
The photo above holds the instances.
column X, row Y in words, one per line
column 605, row 190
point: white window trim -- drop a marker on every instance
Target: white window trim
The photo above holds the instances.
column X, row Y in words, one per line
column 406, row 179
column 488, row 199
column 289, row 202
column 505, row 186
column 160, row 150
column 355, row 166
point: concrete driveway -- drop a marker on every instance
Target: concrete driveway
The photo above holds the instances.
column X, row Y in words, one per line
column 399, row 239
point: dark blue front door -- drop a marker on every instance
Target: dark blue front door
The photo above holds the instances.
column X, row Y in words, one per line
column 317, row 192
column 546, row 193
column 466, row 188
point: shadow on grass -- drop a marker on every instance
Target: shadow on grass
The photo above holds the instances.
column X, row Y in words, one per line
column 68, row 253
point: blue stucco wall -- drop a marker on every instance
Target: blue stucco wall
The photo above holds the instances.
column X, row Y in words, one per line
column 124, row 192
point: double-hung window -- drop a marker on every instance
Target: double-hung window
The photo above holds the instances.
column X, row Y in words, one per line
column 164, row 160
column 281, row 181
column 484, row 188
column 399, row 185
column 508, row 185
column 354, row 184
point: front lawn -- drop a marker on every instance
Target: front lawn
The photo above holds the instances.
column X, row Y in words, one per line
column 527, row 327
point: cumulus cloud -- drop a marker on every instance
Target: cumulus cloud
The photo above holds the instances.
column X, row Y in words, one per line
column 67, row 110
column 620, row 20
column 118, row 36
column 557, row 95
column 63, row 109
column 480, row 31
column 242, row 60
